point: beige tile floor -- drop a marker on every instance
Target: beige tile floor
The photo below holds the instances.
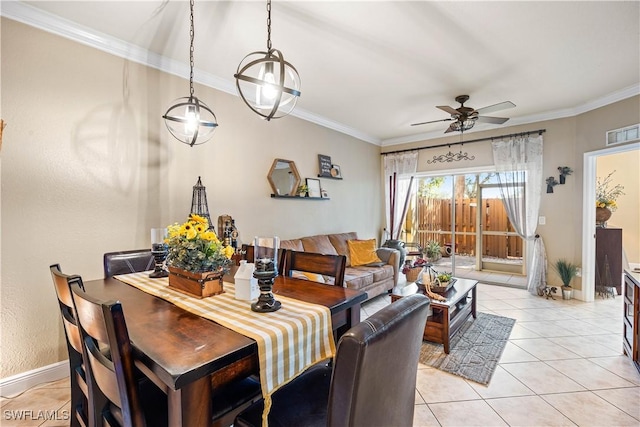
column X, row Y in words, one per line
column 563, row 366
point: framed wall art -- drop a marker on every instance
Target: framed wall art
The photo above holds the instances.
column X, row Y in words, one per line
column 314, row 187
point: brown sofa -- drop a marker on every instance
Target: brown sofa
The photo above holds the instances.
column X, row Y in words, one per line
column 374, row 280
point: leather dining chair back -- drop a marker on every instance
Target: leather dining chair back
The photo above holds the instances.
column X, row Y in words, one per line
column 117, row 397
column 124, row 262
column 372, row 381
column 309, row 262
column 77, row 374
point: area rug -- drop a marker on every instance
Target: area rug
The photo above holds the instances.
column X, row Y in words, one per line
column 474, row 351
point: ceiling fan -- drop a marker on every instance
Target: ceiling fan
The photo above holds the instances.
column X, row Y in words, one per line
column 464, row 118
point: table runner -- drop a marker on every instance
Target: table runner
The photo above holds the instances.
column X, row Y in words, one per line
column 289, row 340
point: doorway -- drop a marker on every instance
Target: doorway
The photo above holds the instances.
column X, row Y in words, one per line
column 587, row 293
column 462, row 215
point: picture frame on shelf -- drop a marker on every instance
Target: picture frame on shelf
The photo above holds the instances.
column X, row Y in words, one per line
column 324, row 193
column 324, row 165
column 336, row 172
column 314, row 187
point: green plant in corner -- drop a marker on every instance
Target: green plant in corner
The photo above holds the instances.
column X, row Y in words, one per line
column 432, row 250
column 566, row 270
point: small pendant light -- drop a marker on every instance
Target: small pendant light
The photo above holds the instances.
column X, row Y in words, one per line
column 190, row 120
column 268, row 84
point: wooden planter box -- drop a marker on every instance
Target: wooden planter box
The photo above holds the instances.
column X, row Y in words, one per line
column 199, row 285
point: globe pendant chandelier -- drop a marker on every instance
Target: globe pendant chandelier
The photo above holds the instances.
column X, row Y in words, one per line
column 268, row 84
column 190, row 120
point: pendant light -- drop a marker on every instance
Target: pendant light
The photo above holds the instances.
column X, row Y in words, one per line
column 268, row 84
column 190, row 120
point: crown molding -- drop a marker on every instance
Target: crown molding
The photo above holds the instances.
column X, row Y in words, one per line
column 29, row 15
column 619, row 95
column 51, row 23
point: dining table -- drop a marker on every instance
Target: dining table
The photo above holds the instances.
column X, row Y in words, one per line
column 187, row 355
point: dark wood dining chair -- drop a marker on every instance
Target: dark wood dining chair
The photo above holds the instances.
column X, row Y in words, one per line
column 371, row 383
column 124, row 262
column 120, row 394
column 77, row 374
column 117, row 397
column 309, row 262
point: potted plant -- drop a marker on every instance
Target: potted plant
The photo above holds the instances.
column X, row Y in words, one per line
column 432, row 251
column 196, row 258
column 303, row 190
column 606, row 195
column 567, row 271
column 564, row 172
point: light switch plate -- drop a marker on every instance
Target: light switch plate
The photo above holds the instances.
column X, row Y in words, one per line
column 542, row 220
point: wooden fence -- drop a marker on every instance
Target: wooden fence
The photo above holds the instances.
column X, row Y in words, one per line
column 433, row 222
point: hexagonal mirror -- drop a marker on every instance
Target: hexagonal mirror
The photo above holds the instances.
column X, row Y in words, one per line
column 284, row 177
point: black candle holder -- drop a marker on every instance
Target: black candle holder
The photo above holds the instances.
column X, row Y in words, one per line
column 159, row 252
column 266, row 302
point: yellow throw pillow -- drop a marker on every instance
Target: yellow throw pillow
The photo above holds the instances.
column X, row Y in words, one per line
column 305, row 275
column 362, row 252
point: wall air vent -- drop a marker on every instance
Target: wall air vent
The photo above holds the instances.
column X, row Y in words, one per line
column 626, row 134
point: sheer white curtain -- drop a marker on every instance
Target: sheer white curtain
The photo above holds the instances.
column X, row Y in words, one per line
column 518, row 162
column 398, row 170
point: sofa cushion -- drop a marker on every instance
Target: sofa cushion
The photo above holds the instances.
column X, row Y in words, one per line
column 339, row 241
column 294, row 245
column 357, row 278
column 319, row 245
column 362, row 252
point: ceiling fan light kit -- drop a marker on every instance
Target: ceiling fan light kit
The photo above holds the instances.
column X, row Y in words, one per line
column 190, row 120
column 269, row 85
column 465, row 118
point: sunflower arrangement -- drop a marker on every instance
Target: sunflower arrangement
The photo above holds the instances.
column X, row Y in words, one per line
column 606, row 193
column 193, row 247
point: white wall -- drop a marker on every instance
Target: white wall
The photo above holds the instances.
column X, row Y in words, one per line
column 89, row 167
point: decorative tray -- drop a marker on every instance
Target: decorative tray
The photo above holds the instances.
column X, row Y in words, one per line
column 437, row 289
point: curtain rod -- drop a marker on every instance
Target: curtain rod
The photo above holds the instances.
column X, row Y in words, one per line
column 539, row 132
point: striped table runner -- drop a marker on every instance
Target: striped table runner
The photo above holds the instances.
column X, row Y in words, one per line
column 289, row 340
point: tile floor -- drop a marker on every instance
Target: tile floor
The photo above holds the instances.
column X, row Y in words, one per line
column 563, row 366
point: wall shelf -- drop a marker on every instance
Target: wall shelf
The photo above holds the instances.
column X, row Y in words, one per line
column 329, row 177
column 275, row 196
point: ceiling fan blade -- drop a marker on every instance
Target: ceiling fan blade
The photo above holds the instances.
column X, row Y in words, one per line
column 449, row 110
column 494, row 120
column 496, row 107
column 450, row 128
column 432, row 121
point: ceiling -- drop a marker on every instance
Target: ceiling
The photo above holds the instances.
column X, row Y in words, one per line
column 370, row 69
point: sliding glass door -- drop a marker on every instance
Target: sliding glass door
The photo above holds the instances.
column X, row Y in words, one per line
column 462, row 224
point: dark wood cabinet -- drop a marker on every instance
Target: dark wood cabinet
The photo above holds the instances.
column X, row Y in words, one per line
column 631, row 317
column 609, row 258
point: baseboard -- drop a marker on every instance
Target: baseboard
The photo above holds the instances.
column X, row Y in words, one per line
column 19, row 383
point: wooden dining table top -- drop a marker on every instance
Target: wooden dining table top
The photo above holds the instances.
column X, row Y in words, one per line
column 180, row 347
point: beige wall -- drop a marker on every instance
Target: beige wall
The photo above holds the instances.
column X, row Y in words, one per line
column 627, row 216
column 565, row 142
column 89, row 168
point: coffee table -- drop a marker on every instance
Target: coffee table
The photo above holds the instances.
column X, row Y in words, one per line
column 447, row 316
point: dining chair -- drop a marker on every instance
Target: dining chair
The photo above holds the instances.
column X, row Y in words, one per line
column 371, row 382
column 77, row 374
column 124, row 262
column 117, row 397
column 319, row 265
column 119, row 392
